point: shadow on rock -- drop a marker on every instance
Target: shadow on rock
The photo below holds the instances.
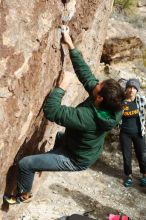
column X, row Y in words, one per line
column 101, row 166
column 29, row 147
column 87, row 203
column 10, row 188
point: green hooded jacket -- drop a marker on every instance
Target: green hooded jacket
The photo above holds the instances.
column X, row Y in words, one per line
column 86, row 126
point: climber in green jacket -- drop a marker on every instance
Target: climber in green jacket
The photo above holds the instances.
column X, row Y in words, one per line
column 86, row 125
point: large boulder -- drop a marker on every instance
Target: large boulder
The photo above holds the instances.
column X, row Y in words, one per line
column 31, row 59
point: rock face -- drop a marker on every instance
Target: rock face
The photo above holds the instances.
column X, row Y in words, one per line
column 31, row 57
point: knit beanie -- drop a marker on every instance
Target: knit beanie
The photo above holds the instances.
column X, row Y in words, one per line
column 133, row 82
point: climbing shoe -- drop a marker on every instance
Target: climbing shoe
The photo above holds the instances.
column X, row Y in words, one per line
column 128, row 182
column 143, row 181
column 11, row 199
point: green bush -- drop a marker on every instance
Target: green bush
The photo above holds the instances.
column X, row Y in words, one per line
column 127, row 6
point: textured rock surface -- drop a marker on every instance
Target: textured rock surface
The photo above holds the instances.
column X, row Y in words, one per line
column 126, row 49
column 30, row 59
column 141, row 3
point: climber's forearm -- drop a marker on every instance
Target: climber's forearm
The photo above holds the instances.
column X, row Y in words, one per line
column 71, row 45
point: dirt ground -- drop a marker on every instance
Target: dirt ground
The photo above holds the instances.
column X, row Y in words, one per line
column 98, row 190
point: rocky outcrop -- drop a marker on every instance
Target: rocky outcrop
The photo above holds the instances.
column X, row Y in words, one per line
column 31, row 58
column 141, row 3
column 121, row 50
column 124, row 53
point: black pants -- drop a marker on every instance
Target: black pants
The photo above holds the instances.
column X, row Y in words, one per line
column 138, row 141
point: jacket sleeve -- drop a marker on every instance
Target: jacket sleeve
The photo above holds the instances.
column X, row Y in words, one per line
column 83, row 71
column 68, row 117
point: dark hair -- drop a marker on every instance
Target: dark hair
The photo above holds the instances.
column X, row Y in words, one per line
column 113, row 95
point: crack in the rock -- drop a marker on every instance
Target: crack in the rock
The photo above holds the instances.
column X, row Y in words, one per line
column 64, row 1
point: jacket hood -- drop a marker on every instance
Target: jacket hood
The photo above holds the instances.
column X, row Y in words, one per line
column 106, row 120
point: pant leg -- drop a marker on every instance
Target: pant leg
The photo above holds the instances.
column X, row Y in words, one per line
column 54, row 160
column 140, row 151
column 126, row 145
